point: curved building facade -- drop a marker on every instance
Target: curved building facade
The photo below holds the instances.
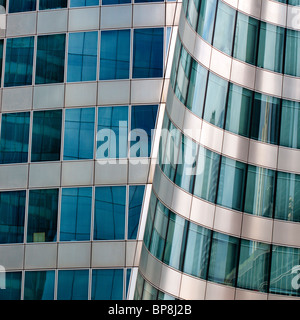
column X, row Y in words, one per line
column 224, row 212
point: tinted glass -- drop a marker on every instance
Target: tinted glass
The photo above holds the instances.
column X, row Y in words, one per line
column 39, row 285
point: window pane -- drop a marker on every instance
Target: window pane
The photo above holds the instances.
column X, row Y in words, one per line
column 206, row 19
column 253, row 271
column 12, row 213
column 175, row 241
column 239, row 110
column 76, row 206
column 21, row 5
column 53, row 4
column 14, row 137
column 197, row 251
column 79, row 134
column 284, row 270
column 46, row 136
column 259, row 198
column 225, row 21
column 72, row 284
column 83, row 3
column 39, row 285
column 214, row 111
column 109, row 218
column 107, row 284
column 50, row 59
column 245, row 44
column 19, row 61
column 148, row 53
column 265, row 118
column 115, row 54
column 292, row 60
column 231, row 184
column 108, row 2
column 207, row 174
column 42, row 215
column 13, row 282
column 287, row 197
column 112, row 134
column 82, row 56
column 197, row 88
column 136, row 195
column 223, row 259
column 290, row 124
column 143, row 119
column 270, row 49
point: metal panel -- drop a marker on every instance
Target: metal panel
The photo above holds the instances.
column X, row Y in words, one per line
column 111, row 173
column 286, row 233
column 12, row 256
column 263, row 154
column 17, row 99
column 218, row 292
column 148, row 15
column 192, row 288
column 289, row 160
column 51, row 96
column 41, row 255
column 84, row 19
column 202, row 212
column 72, row 255
column 46, row 18
column 243, row 74
column 211, row 137
column 235, row 146
column 250, row 295
column 273, row 12
column 44, row 174
column 21, row 24
column 170, row 280
column 146, row 91
column 81, row 94
column 116, row 16
column 13, row 176
column 268, row 82
column 107, row 92
column 76, row 173
column 228, row 221
column 220, row 63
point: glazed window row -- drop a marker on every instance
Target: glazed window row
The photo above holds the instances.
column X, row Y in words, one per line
column 83, row 63
column 218, row 257
column 79, row 284
column 247, row 39
column 84, row 214
column 234, row 108
column 31, row 5
column 75, row 130
column 226, row 182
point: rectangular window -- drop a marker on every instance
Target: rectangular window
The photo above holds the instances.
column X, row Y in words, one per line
column 109, row 220
column 13, row 281
column 136, row 195
column 83, row 3
column 143, row 119
column 50, row 60
column 46, row 135
column 107, row 284
column 39, row 285
column 53, row 4
column 19, row 62
column 42, row 215
column 115, row 54
column 79, row 134
column 12, row 213
column 72, row 284
column 21, row 5
column 292, row 60
column 82, row 56
column 75, row 221
column 112, row 133
column 14, row 137
column 109, row 2
column 148, row 53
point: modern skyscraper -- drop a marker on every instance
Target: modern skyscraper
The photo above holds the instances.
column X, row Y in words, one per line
column 81, row 87
column 224, row 213
column 85, row 212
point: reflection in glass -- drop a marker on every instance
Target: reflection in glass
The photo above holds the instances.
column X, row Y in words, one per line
column 39, row 285
column 136, row 195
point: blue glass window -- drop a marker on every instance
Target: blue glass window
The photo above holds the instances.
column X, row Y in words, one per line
column 14, row 137
column 143, row 119
column 39, row 285
column 136, row 195
column 53, row 4
column 50, row 60
column 12, row 213
column 46, row 135
column 76, row 206
column 22, row 6
column 140, row 1
column 112, row 134
column 107, row 284
column 83, row 3
column 128, row 274
column 42, row 215
column 108, row 2
column 19, row 62
column 82, row 56
column 109, row 221
column 79, row 133
column 115, row 54
column 72, row 284
column 148, row 53
column 13, row 282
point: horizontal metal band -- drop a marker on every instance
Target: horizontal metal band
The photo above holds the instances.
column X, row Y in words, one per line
column 220, row 219
column 236, row 71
